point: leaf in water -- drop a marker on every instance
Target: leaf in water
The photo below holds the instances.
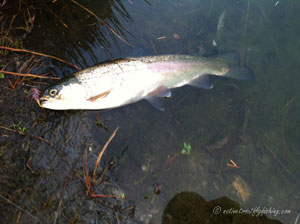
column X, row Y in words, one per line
column 2, row 76
column 188, row 152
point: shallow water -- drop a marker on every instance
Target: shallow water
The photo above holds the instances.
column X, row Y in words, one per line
column 254, row 124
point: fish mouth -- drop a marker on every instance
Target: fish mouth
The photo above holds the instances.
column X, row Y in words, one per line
column 42, row 100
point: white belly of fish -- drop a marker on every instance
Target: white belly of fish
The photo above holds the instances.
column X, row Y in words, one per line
column 131, row 87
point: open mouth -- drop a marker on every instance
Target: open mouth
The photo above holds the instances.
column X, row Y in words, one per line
column 42, row 100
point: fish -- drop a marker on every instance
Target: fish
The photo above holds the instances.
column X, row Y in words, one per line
column 120, row 82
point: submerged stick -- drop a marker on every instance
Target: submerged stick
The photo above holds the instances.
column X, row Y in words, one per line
column 281, row 164
column 86, row 172
column 21, row 209
column 105, row 196
column 40, row 54
column 211, row 6
column 102, row 21
column 102, row 151
column 247, row 15
column 58, row 212
column 37, row 137
column 28, row 75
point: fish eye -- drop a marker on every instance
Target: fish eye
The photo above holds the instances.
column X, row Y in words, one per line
column 53, row 92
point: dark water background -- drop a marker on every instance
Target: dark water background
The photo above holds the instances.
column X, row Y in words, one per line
column 255, row 124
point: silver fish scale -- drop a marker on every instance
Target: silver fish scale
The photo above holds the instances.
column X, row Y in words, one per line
column 119, row 66
column 112, row 70
column 107, row 76
column 124, row 81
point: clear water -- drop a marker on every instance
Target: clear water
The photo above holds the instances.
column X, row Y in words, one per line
column 254, row 124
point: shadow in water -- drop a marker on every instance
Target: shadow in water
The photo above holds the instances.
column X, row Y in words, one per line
column 190, row 207
column 69, row 29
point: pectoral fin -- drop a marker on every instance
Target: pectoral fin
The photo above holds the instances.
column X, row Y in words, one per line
column 155, row 96
column 99, row 96
column 156, row 102
column 203, row 81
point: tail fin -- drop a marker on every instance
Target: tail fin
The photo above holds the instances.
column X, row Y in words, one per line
column 235, row 70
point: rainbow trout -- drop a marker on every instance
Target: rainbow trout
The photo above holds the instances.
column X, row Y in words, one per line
column 124, row 81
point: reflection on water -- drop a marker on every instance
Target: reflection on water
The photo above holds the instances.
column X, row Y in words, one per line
column 74, row 31
column 243, row 137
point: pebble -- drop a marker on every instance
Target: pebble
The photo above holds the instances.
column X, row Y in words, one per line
column 176, row 36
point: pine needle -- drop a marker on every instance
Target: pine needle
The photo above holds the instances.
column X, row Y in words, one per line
column 102, row 151
column 28, row 75
column 40, row 54
column 102, row 21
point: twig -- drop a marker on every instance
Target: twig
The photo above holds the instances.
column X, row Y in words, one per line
column 108, row 166
column 169, row 160
column 87, row 176
column 37, row 137
column 191, row 11
column 232, row 164
column 102, row 151
column 21, row 209
column 86, row 172
column 19, row 217
column 60, row 202
column 102, row 21
column 247, row 15
column 211, row 6
column 276, row 48
column 105, row 196
column 28, row 75
column 102, row 175
column 153, row 47
column 281, row 164
column 140, row 181
column 40, row 54
column 17, row 83
column 297, row 218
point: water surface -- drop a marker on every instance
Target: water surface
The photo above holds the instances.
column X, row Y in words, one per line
column 254, row 124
